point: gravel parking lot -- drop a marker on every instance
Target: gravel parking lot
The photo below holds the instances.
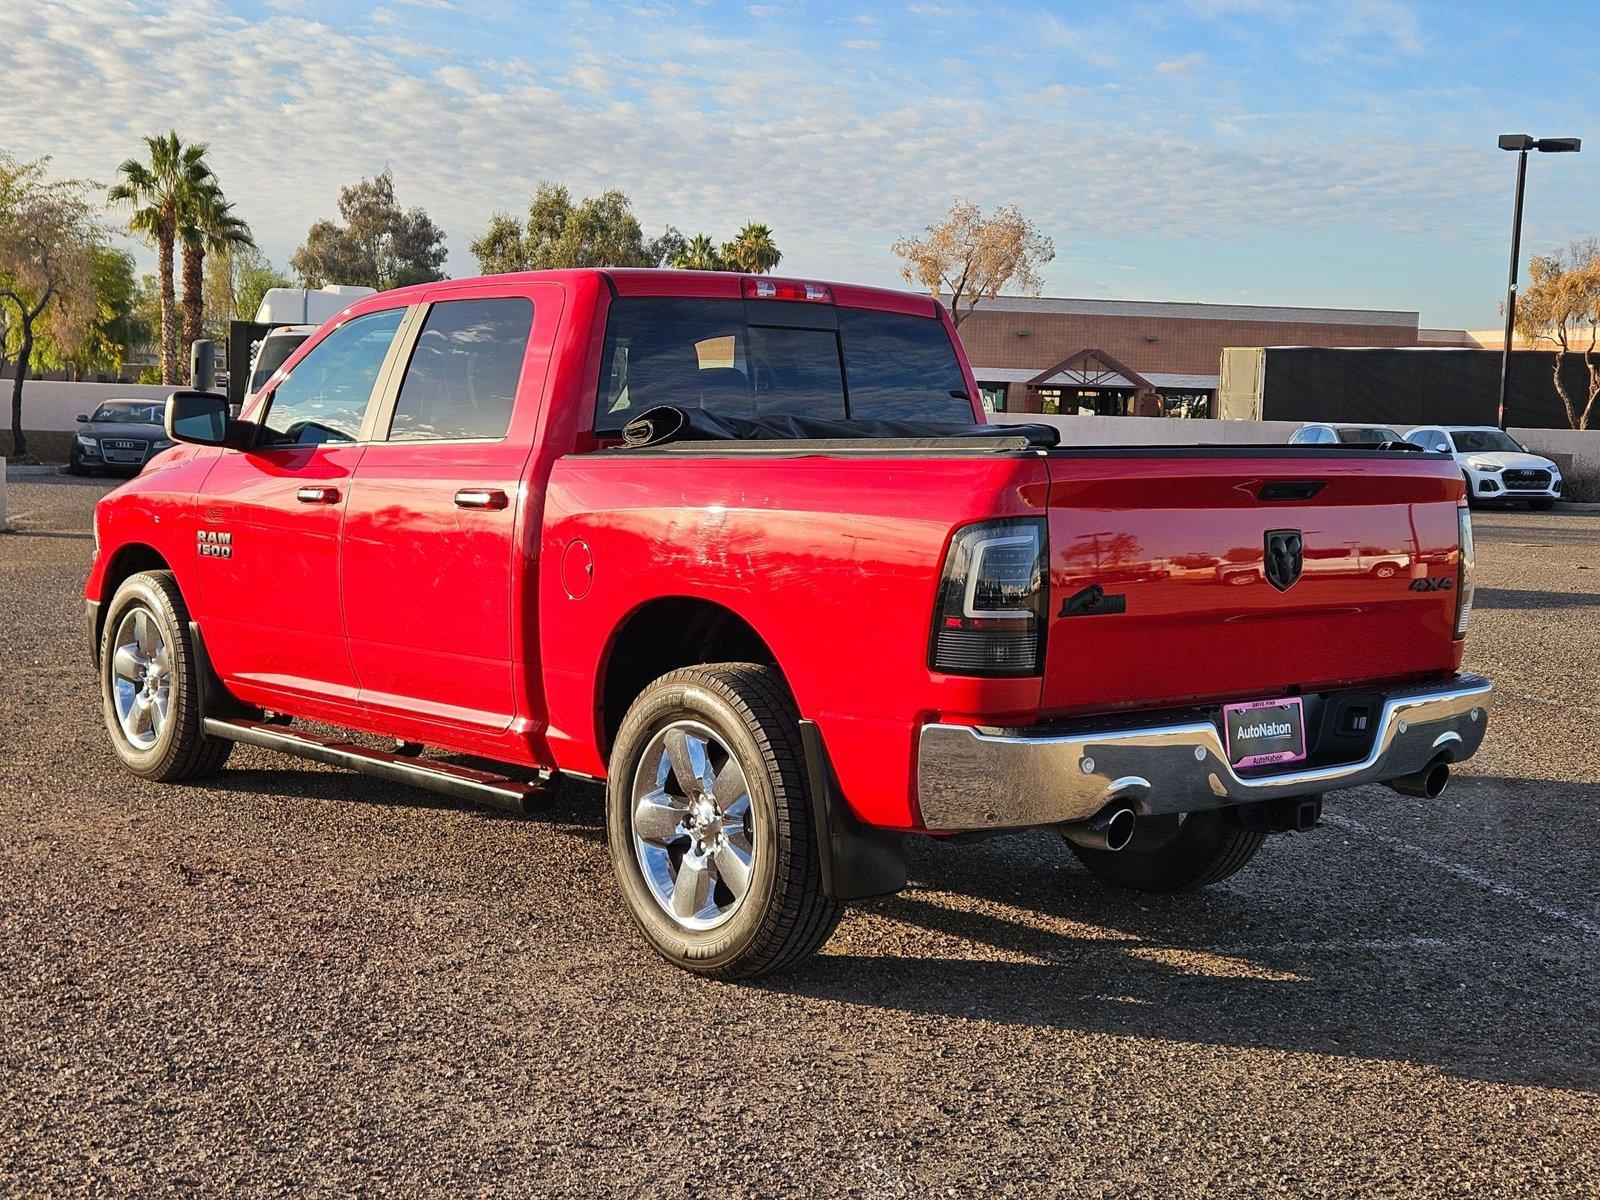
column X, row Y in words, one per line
column 293, row 980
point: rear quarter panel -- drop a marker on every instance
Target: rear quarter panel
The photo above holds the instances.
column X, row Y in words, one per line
column 834, row 561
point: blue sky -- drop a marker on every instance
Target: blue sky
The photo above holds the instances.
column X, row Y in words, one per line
column 1246, row 151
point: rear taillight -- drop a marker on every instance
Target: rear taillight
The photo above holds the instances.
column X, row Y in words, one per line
column 990, row 618
column 1464, row 566
column 786, row 289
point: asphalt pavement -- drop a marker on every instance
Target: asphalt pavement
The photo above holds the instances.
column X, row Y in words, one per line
column 290, row 980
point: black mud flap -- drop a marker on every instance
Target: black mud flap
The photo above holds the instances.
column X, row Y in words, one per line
column 215, row 699
column 857, row 861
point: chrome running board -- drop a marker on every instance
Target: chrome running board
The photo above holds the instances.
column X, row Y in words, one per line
column 463, row 783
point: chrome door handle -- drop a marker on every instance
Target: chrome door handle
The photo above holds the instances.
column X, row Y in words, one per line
column 492, row 498
column 317, row 495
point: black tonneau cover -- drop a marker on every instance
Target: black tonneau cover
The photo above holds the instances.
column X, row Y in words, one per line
column 664, row 426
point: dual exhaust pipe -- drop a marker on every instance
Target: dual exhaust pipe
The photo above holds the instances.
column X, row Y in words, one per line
column 1113, row 827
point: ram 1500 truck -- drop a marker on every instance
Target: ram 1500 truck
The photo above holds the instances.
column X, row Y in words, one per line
column 863, row 615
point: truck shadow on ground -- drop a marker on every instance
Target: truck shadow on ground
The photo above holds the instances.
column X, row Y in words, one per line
column 1307, row 955
column 1313, row 948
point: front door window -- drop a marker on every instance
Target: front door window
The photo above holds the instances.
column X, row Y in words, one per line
column 325, row 397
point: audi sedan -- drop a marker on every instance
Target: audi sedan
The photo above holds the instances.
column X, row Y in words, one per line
column 120, row 435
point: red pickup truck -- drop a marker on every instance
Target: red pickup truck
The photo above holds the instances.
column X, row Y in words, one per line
column 817, row 608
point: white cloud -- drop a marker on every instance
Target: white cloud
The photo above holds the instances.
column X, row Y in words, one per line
column 706, row 129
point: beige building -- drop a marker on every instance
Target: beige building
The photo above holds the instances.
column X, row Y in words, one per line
column 1136, row 357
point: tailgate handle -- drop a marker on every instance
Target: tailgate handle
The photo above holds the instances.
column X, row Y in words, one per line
column 1290, row 489
column 492, row 498
column 317, row 495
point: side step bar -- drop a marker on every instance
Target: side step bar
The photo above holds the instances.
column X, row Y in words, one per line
column 463, row 783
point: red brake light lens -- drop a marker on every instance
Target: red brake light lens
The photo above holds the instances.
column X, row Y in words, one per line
column 991, row 613
column 761, row 288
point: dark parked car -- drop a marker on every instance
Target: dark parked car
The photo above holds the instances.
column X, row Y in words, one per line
column 120, row 435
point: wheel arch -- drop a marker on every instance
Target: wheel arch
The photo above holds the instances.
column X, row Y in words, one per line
column 664, row 634
column 126, row 561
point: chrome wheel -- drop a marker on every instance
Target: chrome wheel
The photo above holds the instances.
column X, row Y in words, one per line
column 693, row 825
column 141, row 678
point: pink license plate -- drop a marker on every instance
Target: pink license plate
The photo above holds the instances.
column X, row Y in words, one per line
column 1265, row 731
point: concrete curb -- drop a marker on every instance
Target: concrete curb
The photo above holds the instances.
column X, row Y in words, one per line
column 46, row 469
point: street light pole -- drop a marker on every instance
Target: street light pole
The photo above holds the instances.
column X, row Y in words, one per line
column 1511, row 280
column 1521, row 143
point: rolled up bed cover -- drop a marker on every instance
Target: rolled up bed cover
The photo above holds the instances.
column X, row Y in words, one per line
column 666, row 424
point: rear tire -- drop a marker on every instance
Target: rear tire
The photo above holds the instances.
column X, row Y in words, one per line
column 1207, row 848
column 708, row 815
column 150, row 683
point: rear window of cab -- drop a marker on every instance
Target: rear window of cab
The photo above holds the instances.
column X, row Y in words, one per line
column 762, row 358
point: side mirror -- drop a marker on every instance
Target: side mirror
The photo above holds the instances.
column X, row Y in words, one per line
column 83, row 418
column 200, row 418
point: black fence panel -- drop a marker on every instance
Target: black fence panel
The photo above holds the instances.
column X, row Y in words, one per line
column 1416, row 387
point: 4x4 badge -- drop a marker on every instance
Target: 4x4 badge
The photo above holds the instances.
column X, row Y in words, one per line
column 1284, row 557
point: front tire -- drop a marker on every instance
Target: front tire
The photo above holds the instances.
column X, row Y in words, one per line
column 708, row 814
column 1206, row 848
column 150, row 683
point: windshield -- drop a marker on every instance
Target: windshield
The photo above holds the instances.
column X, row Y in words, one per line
column 1367, row 435
column 153, row 413
column 763, row 358
column 273, row 354
column 1486, row 441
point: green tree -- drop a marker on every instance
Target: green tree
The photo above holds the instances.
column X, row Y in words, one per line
column 700, row 253
column 206, row 224
column 160, row 190
column 48, row 234
column 236, row 278
column 379, row 245
column 598, row 231
column 752, row 250
column 109, row 331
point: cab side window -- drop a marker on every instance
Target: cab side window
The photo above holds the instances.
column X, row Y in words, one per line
column 462, row 380
column 325, row 397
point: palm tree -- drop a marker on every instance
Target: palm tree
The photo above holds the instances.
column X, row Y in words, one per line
column 159, row 191
column 700, row 255
column 206, row 224
column 752, row 250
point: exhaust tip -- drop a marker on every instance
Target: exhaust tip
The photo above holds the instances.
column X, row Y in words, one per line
column 1119, row 829
column 1111, row 828
column 1435, row 779
column 1428, row 783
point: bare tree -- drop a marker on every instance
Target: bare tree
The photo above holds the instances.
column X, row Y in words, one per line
column 48, row 234
column 970, row 258
column 1561, row 309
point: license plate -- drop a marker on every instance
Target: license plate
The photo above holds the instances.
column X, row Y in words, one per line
column 1265, row 731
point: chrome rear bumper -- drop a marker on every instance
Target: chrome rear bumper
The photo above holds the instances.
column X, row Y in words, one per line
column 969, row 778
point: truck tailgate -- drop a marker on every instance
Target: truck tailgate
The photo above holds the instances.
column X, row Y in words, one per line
column 1161, row 591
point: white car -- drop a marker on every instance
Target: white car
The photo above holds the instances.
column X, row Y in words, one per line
column 1497, row 466
column 1329, row 433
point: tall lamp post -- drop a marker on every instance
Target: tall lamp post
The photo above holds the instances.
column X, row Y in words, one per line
column 1521, row 143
